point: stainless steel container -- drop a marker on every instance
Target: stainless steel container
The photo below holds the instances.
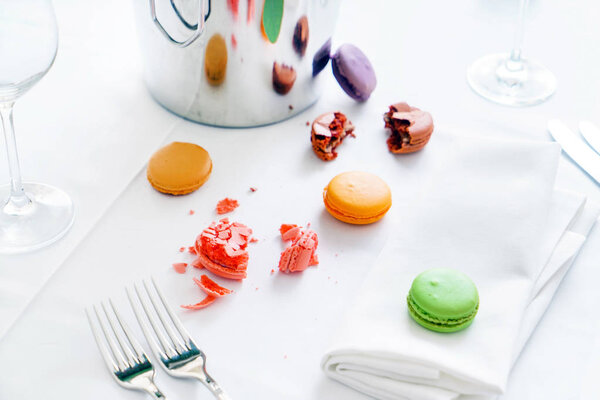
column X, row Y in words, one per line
column 174, row 36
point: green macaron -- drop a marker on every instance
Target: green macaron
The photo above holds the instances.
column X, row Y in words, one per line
column 443, row 300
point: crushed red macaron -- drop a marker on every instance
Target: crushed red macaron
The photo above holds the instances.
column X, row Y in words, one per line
column 221, row 248
column 210, row 287
column 302, row 252
column 226, row 205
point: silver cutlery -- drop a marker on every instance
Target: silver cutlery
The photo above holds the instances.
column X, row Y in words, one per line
column 178, row 353
column 576, row 148
column 591, row 133
column 127, row 362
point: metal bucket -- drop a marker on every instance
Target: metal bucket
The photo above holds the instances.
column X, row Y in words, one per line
column 215, row 61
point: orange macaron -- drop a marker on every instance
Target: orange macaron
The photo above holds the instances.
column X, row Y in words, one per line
column 179, row 168
column 357, row 197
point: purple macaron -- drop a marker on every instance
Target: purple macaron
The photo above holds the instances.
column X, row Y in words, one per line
column 353, row 72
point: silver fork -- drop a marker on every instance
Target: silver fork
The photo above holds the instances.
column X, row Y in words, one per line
column 179, row 355
column 128, row 363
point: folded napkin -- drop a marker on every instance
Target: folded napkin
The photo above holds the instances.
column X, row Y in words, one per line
column 488, row 209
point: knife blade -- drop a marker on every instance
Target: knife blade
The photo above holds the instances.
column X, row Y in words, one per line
column 591, row 133
column 583, row 155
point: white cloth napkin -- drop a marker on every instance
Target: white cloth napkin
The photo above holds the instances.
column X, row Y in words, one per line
column 489, row 210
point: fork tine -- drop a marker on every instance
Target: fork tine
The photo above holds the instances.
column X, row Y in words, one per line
column 139, row 352
column 179, row 346
column 108, row 359
column 125, row 349
column 164, row 351
column 117, row 355
column 180, row 328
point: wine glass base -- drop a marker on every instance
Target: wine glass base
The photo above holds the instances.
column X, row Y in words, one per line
column 491, row 78
column 47, row 219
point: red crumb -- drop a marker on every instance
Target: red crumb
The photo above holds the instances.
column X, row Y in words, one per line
column 256, row 289
column 221, row 248
column 210, row 287
column 181, row 249
column 253, row 189
column 227, row 205
column 272, row 271
column 191, row 212
column 253, row 240
column 180, row 267
column 307, row 123
column 291, row 107
column 302, row 252
column 208, row 300
column 233, row 41
column 286, row 227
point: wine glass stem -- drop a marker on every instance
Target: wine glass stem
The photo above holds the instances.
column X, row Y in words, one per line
column 18, row 203
column 515, row 62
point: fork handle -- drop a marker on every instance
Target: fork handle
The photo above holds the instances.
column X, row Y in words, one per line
column 156, row 394
column 213, row 386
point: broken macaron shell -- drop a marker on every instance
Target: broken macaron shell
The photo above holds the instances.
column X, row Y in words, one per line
column 329, row 131
column 410, row 127
column 210, row 287
column 207, row 301
column 302, row 252
column 226, row 205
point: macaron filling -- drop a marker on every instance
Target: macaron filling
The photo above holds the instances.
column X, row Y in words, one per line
column 416, row 310
column 338, row 211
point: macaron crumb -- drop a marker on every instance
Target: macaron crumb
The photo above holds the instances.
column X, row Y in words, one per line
column 191, row 212
column 192, row 250
column 181, row 249
column 253, row 189
column 180, row 268
column 272, row 271
column 226, row 205
column 254, row 240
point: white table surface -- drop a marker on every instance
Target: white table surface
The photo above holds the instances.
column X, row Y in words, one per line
column 420, row 51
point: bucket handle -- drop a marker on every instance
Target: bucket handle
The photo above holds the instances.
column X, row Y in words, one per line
column 198, row 27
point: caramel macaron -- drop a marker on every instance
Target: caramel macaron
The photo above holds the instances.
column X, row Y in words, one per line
column 357, row 197
column 179, row 168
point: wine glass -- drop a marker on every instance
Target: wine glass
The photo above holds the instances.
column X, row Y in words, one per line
column 510, row 79
column 32, row 215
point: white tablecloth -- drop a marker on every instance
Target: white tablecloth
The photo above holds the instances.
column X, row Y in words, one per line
column 93, row 99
